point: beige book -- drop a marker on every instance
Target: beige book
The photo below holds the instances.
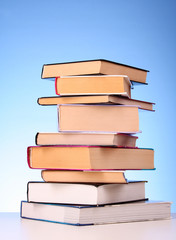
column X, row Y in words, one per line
column 98, row 118
column 85, row 157
column 84, row 176
column 76, row 138
column 98, row 66
column 105, row 99
column 99, row 84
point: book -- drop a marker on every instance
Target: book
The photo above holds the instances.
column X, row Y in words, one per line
column 94, row 99
column 98, row 118
column 80, row 138
column 99, row 84
column 91, row 215
column 86, row 157
column 83, row 176
column 97, row 66
column 85, row 194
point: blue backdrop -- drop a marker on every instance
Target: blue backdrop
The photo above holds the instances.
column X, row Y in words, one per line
column 138, row 33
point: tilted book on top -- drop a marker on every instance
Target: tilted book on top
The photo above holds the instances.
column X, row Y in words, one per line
column 97, row 66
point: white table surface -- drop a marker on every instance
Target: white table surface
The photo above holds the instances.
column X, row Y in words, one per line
column 12, row 227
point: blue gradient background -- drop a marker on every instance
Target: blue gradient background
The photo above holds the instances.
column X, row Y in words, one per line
column 138, row 33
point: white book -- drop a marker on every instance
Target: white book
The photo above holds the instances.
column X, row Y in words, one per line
column 91, row 194
column 89, row 215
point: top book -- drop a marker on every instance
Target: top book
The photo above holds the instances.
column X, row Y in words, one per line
column 93, row 67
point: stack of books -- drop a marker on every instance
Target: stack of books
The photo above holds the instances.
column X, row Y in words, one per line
column 83, row 164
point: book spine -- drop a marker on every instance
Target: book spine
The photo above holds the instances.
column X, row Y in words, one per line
column 42, row 71
column 36, row 138
column 56, row 90
column 28, row 156
column 38, row 101
column 28, row 191
column 21, row 209
column 58, row 117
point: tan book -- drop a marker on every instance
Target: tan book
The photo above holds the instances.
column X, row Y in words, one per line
column 98, row 66
column 76, row 138
column 98, row 118
column 105, row 99
column 99, row 84
column 83, row 176
column 86, row 157
column 80, row 193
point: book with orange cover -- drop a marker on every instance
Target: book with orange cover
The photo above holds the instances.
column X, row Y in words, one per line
column 83, row 176
column 95, row 99
column 80, row 138
column 89, row 158
column 99, row 84
column 98, row 118
column 97, row 66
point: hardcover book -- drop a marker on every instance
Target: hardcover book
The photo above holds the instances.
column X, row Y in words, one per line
column 98, row 177
column 87, row 85
column 97, row 66
column 85, row 194
column 98, row 118
column 80, row 138
column 90, row 215
column 86, row 157
column 94, row 99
